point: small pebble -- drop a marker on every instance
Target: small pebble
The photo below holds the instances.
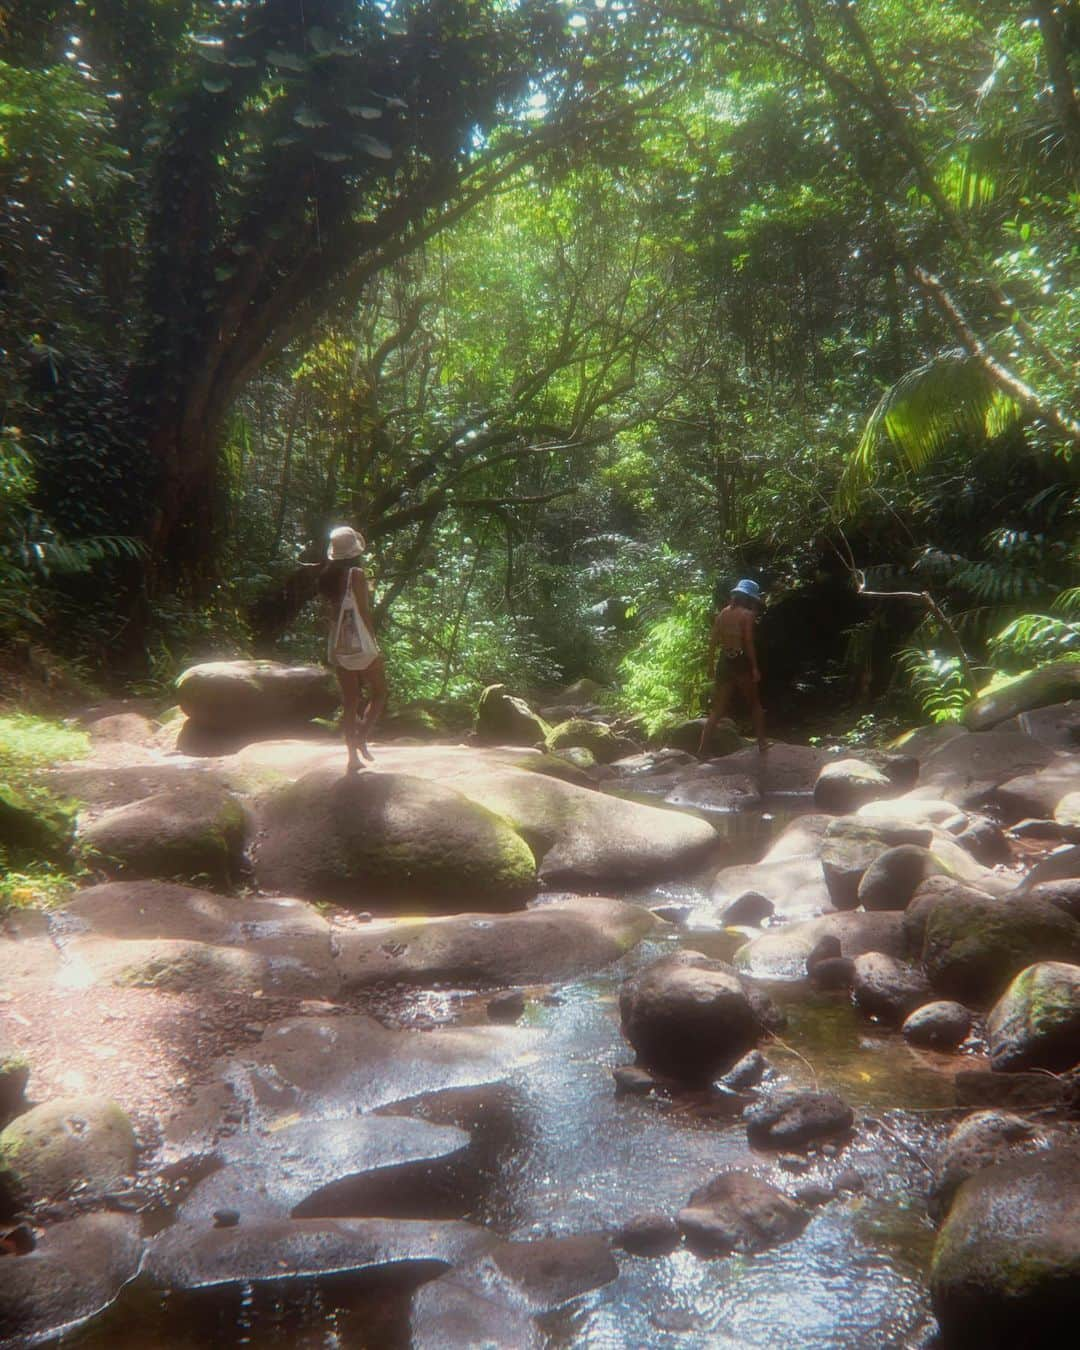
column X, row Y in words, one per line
column 226, row 1218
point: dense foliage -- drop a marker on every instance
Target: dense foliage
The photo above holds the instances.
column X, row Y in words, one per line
column 576, row 310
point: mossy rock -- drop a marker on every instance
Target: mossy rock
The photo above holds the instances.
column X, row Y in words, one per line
column 192, row 832
column 686, row 735
column 597, row 737
column 1036, row 1022
column 504, row 719
column 83, row 1144
column 35, row 827
column 14, row 1076
column 389, row 838
column 237, row 695
column 1054, row 683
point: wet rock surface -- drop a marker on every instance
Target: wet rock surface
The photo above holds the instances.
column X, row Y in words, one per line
column 1036, row 1022
column 739, row 1212
column 798, row 1119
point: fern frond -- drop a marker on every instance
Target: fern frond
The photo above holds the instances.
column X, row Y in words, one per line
column 948, row 397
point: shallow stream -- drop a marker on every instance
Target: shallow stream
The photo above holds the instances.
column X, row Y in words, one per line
column 571, row 1157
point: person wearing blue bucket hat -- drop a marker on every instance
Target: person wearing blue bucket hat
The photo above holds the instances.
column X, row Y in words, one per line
column 737, row 666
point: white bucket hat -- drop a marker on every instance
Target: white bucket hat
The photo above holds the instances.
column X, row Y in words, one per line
column 345, row 542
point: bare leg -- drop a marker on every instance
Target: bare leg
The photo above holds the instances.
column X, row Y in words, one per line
column 721, row 699
column 757, row 716
column 374, row 679
column 349, row 680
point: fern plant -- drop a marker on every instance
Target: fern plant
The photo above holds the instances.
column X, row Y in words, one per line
column 937, row 681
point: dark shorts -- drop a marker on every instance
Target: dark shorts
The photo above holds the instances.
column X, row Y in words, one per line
column 732, row 665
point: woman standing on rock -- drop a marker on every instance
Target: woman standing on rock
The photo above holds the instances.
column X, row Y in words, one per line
column 737, row 667
column 352, row 649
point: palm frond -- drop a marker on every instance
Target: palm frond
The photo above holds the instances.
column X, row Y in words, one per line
column 924, row 412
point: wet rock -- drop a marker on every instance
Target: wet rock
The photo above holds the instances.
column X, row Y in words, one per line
column 1064, row 894
column 1041, row 829
column 846, row 784
column 1053, row 683
column 833, row 972
column 1036, row 1022
column 785, row 768
column 552, row 941
column 985, row 841
column 814, row 1194
column 709, row 790
column 724, row 740
column 549, row 1272
column 687, row 1017
column 179, row 966
column 892, row 879
column 983, row 1139
column 852, row 844
column 924, row 900
column 738, row 1211
column 801, row 837
column 749, row 909
column 794, row 885
column 74, row 1271
column 653, row 764
column 826, row 948
column 973, row 946
column 1006, row 1268
column 503, row 719
column 967, row 768
column 631, row 1080
column 587, row 840
column 393, row 838
column 1061, row 865
column 14, row 1076
column 649, row 1235
column 795, row 1120
column 506, row 1007
column 598, row 737
column 229, row 695
column 941, row 1025
column 83, row 1144
column 455, row 1311
column 198, row 1256
column 746, row 1072
column 1021, row 1091
column 887, row 988
column 780, row 954
column 191, row 831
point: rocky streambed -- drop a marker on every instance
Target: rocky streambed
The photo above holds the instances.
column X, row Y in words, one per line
column 678, row 1077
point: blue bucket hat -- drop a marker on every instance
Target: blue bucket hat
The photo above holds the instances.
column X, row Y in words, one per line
column 748, row 588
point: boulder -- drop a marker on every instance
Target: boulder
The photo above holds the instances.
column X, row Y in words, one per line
column 846, row 784
column 781, row 953
column 1036, row 796
column 711, row 789
column 794, row 886
column 649, row 1235
column 724, row 740
column 1006, row 1266
column 1053, row 683
column 588, row 840
column 852, row 843
column 389, row 838
column 738, row 1211
column 598, row 737
column 650, row 764
column 578, row 695
column 893, row 878
column 926, row 896
column 14, row 1076
column 503, row 719
column 940, row 1025
column 792, row 1121
column 973, row 945
column 967, row 768
column 1035, row 1024
column 920, row 741
column 982, row 1139
column 914, row 808
column 72, row 1143
column 801, row 837
column 1065, row 894
column 887, row 988
column 548, row 1272
column 687, row 1017
column 832, row 972
column 557, row 940
column 1056, row 725
column 234, row 695
column 190, row 832
column 75, row 1271
column 1061, row 865
column 785, row 770
column 750, row 908
column 985, row 841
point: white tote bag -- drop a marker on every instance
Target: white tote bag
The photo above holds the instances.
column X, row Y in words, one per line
column 353, row 647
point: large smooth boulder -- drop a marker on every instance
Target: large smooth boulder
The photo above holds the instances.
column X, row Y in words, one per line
column 1053, row 683
column 1056, row 725
column 553, row 941
column 887, row 988
column 940, row 1025
column 982, row 1139
column 588, row 840
column 71, row 1143
column 1036, row 796
column 687, row 1017
column 723, row 740
column 384, row 838
column 973, row 945
column 1006, row 1267
column 738, row 1211
column 796, row 1120
column 967, row 768
column 781, row 953
column 846, row 784
column 234, row 696
column 894, row 876
column 1036, row 1022
column 75, row 1270
column 785, row 769
column 794, row 885
column 192, row 831
column 605, row 744
column 853, row 843
column 1065, row 894
column 503, row 719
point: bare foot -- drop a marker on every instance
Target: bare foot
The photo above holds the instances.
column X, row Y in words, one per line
column 354, row 766
column 365, row 750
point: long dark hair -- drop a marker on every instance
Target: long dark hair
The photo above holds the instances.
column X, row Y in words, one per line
column 333, row 576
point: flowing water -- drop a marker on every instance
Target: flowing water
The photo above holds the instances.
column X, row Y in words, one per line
column 575, row 1158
